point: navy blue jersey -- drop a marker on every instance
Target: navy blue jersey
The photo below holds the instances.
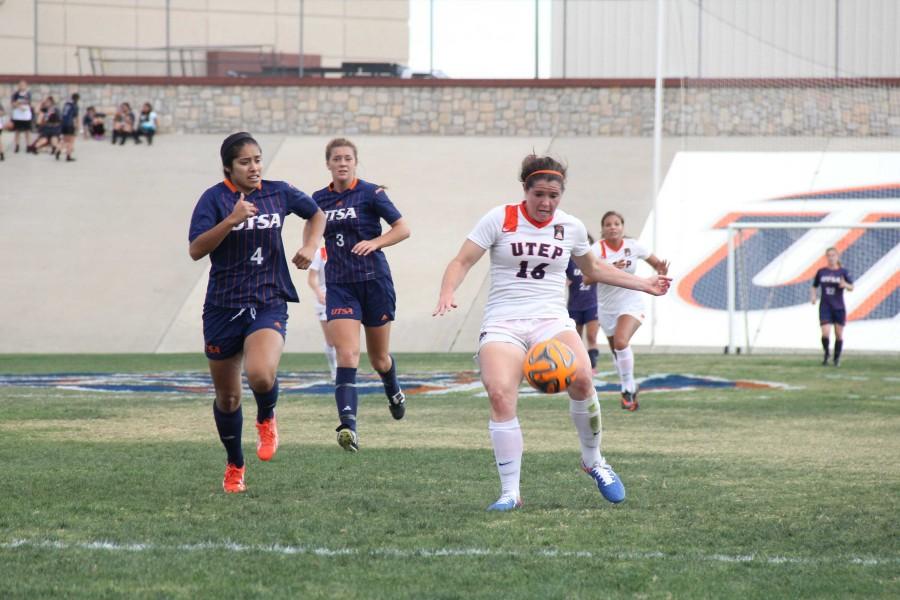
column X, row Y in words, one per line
column 249, row 267
column 352, row 216
column 69, row 114
column 830, row 280
column 581, row 296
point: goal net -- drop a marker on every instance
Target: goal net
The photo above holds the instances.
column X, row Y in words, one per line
column 770, row 268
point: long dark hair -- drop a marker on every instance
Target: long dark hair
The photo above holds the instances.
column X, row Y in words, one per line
column 231, row 146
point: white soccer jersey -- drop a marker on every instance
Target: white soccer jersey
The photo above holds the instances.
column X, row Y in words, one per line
column 528, row 261
column 611, row 298
column 318, row 264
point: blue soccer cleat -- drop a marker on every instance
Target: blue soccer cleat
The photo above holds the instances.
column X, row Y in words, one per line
column 505, row 504
column 608, row 482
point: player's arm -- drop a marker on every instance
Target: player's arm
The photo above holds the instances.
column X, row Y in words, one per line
column 210, row 239
column 454, row 274
column 312, row 237
column 813, row 296
column 398, row 232
column 593, row 270
column 659, row 265
column 846, row 284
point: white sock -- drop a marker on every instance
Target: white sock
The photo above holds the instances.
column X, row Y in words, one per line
column 586, row 418
column 506, row 437
column 331, row 355
column 615, row 363
column 625, row 360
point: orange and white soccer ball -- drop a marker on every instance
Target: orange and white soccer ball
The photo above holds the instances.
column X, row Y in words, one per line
column 549, row 366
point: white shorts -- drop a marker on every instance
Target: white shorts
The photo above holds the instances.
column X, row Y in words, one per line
column 608, row 319
column 523, row 332
column 320, row 311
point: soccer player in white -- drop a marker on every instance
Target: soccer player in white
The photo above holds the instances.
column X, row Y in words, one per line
column 530, row 244
column 316, row 281
column 621, row 310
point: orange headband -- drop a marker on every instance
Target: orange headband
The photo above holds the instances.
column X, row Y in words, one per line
column 545, row 171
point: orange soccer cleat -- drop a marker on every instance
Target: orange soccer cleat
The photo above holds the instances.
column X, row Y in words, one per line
column 234, row 479
column 266, row 439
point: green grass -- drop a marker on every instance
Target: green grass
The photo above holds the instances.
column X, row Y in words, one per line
column 735, row 493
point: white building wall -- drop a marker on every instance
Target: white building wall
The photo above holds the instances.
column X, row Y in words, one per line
column 727, row 38
column 338, row 30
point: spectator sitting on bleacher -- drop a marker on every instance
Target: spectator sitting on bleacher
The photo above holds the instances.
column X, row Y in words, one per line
column 93, row 125
column 123, row 125
column 146, row 123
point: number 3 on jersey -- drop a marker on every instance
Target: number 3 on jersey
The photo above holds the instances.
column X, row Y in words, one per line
column 257, row 256
column 339, row 239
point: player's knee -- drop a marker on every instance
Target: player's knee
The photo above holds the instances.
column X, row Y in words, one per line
column 261, row 380
column 347, row 357
column 380, row 362
column 581, row 386
column 503, row 400
column 228, row 402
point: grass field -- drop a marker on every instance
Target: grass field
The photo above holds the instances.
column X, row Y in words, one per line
column 732, row 493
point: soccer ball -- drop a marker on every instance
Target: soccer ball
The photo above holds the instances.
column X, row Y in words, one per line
column 549, row 366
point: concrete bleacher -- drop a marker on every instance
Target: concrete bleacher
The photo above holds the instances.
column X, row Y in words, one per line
column 95, row 252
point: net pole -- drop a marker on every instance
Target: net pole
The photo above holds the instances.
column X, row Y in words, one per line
column 730, row 287
column 300, row 71
column 657, row 140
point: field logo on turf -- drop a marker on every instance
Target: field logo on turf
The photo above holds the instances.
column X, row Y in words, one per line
column 317, row 383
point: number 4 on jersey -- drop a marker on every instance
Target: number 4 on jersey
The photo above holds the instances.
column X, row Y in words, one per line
column 257, row 256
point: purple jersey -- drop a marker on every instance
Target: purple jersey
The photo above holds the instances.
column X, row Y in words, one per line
column 249, row 267
column 581, row 296
column 352, row 216
column 832, row 292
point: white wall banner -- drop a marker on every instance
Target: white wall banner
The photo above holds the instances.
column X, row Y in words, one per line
column 703, row 192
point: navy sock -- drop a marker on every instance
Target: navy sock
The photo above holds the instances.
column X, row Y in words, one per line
column 229, row 427
column 389, row 379
column 345, row 396
column 593, row 353
column 838, row 346
column 825, row 346
column 265, row 403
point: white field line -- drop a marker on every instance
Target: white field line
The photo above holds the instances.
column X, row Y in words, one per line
column 442, row 552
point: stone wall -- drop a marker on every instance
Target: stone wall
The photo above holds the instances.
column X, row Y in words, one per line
column 525, row 109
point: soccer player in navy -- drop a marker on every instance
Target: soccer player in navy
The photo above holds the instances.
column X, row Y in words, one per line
column 238, row 224
column 833, row 279
column 582, row 307
column 360, row 288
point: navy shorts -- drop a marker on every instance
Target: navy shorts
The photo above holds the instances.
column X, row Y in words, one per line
column 373, row 302
column 225, row 329
column 583, row 316
column 827, row 315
